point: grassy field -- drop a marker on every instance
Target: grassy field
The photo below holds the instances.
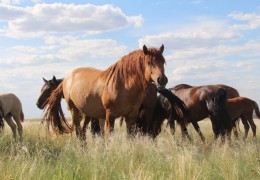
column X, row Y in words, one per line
column 118, row 157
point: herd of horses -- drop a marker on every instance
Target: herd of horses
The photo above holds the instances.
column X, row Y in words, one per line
column 129, row 89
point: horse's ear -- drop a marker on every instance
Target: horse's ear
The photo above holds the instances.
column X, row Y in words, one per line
column 54, row 79
column 161, row 49
column 145, row 50
column 45, row 80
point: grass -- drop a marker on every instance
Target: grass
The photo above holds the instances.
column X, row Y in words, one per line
column 118, row 157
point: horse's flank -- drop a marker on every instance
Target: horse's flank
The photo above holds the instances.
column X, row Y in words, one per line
column 9, row 103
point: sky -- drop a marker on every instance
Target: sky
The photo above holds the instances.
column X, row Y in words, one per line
column 206, row 42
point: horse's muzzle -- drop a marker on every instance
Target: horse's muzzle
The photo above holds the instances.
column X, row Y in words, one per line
column 39, row 106
column 162, row 81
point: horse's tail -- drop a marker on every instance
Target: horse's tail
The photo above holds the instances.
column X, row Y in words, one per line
column 217, row 108
column 53, row 112
column 257, row 112
column 2, row 124
column 179, row 109
column 22, row 116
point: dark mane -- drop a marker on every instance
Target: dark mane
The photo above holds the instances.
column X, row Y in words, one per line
column 130, row 68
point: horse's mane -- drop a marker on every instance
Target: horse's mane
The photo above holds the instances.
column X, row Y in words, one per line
column 130, row 68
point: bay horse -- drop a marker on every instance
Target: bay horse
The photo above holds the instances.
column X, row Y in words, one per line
column 117, row 91
column 231, row 93
column 243, row 107
column 161, row 111
column 197, row 100
column 11, row 108
column 46, row 90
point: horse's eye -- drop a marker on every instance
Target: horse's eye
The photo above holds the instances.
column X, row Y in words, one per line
column 150, row 63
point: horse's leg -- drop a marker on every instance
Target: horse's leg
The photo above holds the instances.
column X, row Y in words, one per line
column 19, row 126
column 84, row 128
column 246, row 126
column 102, row 126
column 253, row 126
column 110, row 121
column 197, row 128
column 235, row 123
column 130, row 120
column 95, row 128
column 148, row 119
column 184, row 131
column 171, row 123
column 121, row 121
column 76, row 119
column 12, row 125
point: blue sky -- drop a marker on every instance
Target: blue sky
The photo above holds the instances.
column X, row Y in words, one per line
column 206, row 42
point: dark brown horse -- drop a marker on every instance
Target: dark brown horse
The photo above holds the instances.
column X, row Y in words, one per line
column 161, row 111
column 198, row 100
column 117, row 91
column 46, row 90
column 243, row 107
column 231, row 93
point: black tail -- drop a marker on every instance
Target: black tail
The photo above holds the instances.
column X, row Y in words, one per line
column 219, row 115
column 179, row 109
column 2, row 125
column 257, row 112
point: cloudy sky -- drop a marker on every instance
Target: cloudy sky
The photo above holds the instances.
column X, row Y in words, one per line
column 206, row 42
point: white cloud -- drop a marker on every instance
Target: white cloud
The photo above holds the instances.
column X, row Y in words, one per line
column 251, row 20
column 40, row 19
column 17, row 2
column 62, row 49
column 203, row 34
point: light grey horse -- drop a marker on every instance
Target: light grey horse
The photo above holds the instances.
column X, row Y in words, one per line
column 11, row 106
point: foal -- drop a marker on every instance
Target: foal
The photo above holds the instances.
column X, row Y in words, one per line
column 243, row 107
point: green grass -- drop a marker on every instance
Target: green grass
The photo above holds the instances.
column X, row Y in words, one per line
column 118, row 157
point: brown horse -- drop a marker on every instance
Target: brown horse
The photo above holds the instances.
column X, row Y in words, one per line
column 243, row 107
column 162, row 111
column 117, row 91
column 198, row 99
column 231, row 93
column 46, row 90
column 11, row 107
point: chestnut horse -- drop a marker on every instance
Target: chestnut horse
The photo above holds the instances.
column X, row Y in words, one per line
column 46, row 90
column 11, row 108
column 117, row 91
column 243, row 107
column 197, row 100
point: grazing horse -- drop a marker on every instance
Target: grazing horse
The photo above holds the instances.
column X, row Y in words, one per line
column 46, row 90
column 161, row 111
column 11, row 106
column 243, row 107
column 117, row 91
column 198, row 100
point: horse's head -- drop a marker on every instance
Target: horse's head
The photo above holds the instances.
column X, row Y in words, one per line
column 154, row 66
column 47, row 88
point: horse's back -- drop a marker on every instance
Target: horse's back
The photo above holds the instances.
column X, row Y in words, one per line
column 10, row 103
column 80, row 84
column 231, row 92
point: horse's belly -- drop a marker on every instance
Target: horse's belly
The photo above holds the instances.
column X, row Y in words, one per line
column 93, row 108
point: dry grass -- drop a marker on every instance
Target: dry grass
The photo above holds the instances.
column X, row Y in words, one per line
column 118, row 157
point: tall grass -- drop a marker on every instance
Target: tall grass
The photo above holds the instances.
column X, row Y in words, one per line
column 118, row 157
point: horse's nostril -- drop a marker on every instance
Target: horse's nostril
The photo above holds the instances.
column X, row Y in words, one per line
column 162, row 80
